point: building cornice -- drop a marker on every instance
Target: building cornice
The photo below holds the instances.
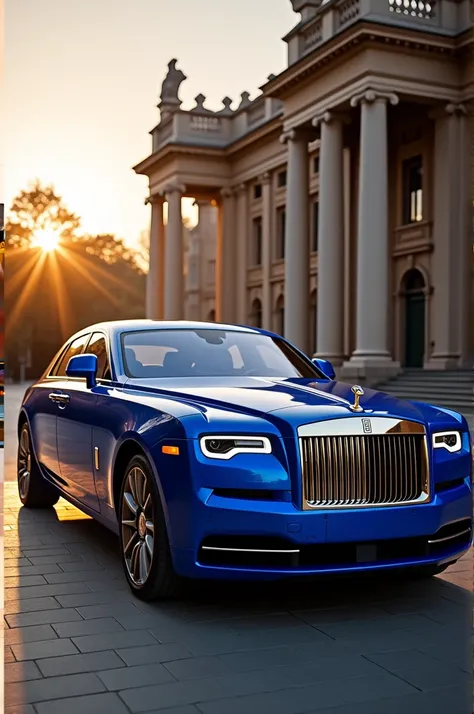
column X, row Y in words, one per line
column 379, row 82
column 169, row 151
column 353, row 38
column 264, row 131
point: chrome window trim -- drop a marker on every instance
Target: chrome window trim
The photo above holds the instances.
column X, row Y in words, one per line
column 107, row 347
column 59, row 356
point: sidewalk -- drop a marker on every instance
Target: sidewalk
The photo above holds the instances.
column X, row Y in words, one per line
column 78, row 642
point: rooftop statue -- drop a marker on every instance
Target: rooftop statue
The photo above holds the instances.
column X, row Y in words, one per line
column 172, row 83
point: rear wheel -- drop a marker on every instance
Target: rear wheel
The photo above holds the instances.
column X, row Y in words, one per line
column 145, row 548
column 33, row 489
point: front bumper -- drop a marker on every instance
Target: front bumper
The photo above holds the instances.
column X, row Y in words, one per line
column 235, row 538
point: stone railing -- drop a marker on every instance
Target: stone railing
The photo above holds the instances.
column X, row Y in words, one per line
column 446, row 17
column 203, row 127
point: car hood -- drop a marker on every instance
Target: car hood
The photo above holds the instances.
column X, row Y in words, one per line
column 295, row 400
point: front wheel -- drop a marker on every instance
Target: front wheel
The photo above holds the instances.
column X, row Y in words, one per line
column 33, row 489
column 145, row 548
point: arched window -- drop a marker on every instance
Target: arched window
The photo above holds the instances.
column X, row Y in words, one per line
column 413, row 281
column 256, row 313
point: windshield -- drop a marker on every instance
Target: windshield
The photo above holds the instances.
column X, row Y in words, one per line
column 211, row 353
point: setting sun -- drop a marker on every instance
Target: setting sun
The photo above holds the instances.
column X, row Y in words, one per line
column 47, row 239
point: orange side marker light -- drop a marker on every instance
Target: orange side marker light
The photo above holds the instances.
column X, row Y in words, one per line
column 170, row 450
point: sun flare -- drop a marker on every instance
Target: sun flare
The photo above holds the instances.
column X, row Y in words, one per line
column 47, row 239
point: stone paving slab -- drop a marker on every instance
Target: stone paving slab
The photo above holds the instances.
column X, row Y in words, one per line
column 76, row 640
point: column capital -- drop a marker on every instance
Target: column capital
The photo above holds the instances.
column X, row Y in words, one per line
column 265, row 178
column 456, row 108
column 173, row 188
column 240, row 189
column 329, row 117
column 452, row 109
column 297, row 134
column 227, row 193
column 369, row 96
column 154, row 200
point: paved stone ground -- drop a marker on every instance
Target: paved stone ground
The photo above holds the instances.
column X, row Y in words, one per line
column 77, row 641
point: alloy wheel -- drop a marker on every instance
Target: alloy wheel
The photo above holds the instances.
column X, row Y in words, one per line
column 137, row 526
column 24, row 464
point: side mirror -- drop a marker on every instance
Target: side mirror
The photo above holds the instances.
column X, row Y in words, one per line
column 84, row 367
column 325, row 366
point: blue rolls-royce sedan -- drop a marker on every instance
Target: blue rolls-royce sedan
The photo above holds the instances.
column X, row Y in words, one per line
column 220, row 451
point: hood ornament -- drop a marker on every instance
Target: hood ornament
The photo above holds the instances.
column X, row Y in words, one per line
column 358, row 392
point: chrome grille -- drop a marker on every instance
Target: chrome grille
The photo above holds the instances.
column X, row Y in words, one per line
column 364, row 470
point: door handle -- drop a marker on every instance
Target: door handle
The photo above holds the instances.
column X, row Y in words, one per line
column 58, row 398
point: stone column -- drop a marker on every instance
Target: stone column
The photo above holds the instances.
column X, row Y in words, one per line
column 297, row 239
column 466, row 312
column 174, row 275
column 371, row 359
column 330, row 302
column 451, row 273
column 156, row 271
column 225, row 258
column 266, row 181
column 242, row 254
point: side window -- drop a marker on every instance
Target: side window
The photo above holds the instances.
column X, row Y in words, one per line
column 75, row 348
column 98, row 346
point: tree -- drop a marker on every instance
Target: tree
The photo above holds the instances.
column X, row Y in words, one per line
column 40, row 208
column 51, row 295
column 37, row 209
column 143, row 250
column 110, row 249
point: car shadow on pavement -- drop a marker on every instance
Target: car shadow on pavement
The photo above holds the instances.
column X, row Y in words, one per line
column 87, row 539
column 354, row 645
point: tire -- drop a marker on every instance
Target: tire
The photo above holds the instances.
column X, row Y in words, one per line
column 147, row 563
column 33, row 489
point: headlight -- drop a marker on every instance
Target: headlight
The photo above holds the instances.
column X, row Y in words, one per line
column 225, row 447
column 449, row 440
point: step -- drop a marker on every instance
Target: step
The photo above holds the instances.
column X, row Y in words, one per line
column 457, row 386
column 457, row 394
column 455, row 406
column 435, row 393
column 415, row 393
column 466, row 373
column 434, row 380
column 418, row 379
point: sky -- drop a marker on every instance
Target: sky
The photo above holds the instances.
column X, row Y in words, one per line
column 82, row 79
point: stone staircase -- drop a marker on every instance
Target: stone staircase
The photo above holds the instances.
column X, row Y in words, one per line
column 453, row 389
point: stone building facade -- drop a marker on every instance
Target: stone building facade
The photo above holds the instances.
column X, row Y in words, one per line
column 334, row 208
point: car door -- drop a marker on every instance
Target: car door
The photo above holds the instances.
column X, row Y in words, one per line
column 43, row 409
column 109, row 415
column 76, row 405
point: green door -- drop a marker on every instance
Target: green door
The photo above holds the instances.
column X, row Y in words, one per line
column 415, row 330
